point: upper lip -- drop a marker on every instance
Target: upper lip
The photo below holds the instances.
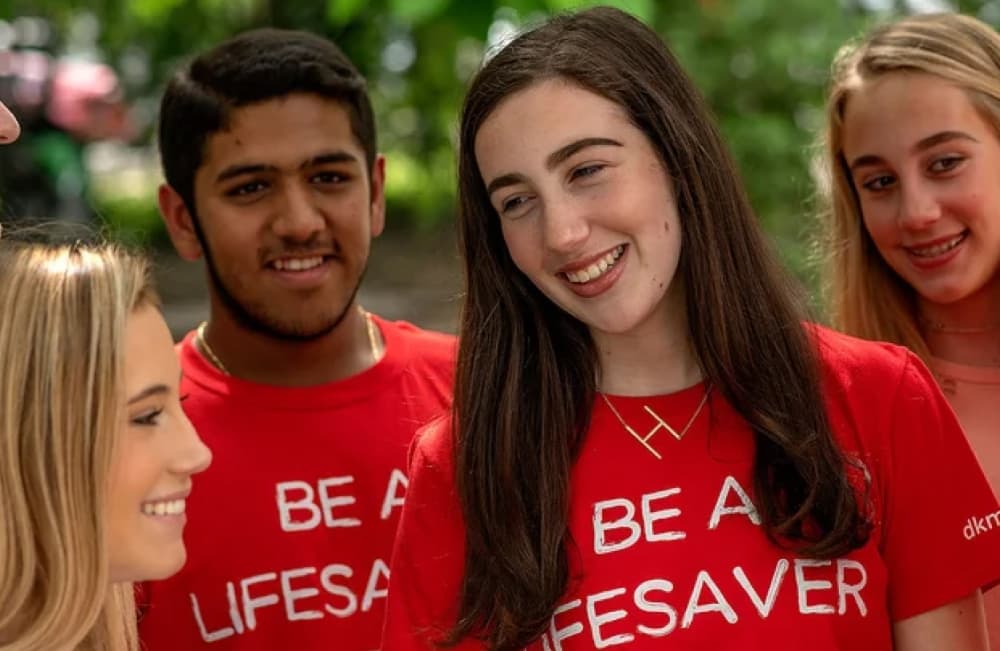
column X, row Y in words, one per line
column 580, row 264
column 179, row 495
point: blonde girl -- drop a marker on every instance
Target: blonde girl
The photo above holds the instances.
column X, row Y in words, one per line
column 95, row 453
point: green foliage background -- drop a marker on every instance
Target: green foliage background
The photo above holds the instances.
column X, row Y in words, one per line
column 762, row 65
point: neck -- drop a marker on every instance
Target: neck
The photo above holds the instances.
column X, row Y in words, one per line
column 257, row 357
column 655, row 358
column 966, row 331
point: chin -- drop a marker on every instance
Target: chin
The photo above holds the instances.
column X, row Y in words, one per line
column 158, row 566
column 943, row 295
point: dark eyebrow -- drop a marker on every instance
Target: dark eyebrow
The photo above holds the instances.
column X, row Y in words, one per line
column 154, row 390
column 239, row 170
column 325, row 158
column 565, row 152
column 553, row 160
column 503, row 181
column 922, row 145
column 331, row 157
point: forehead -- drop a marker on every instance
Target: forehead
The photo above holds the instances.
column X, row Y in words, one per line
column 898, row 109
column 282, row 131
column 528, row 125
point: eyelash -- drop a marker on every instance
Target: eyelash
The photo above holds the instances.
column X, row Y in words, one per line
column 148, row 419
column 870, row 184
column 585, row 171
column 511, row 204
column 331, row 177
column 952, row 162
column 252, row 187
column 245, row 189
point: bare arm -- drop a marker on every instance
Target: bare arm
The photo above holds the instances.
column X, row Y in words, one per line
column 958, row 626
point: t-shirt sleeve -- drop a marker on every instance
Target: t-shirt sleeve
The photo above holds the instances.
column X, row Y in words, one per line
column 428, row 557
column 941, row 528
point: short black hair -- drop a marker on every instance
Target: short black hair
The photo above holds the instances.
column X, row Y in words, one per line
column 254, row 66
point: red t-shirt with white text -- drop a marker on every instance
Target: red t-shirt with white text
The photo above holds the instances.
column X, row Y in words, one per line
column 290, row 529
column 669, row 554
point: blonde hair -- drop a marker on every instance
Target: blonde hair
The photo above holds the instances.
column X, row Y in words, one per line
column 62, row 335
column 865, row 296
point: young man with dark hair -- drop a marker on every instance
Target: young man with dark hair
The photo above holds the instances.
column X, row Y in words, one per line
column 307, row 401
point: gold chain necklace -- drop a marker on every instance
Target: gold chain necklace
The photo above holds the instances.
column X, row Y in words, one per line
column 644, row 440
column 943, row 328
column 203, row 342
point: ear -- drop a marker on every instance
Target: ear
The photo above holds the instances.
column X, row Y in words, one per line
column 180, row 225
column 378, row 196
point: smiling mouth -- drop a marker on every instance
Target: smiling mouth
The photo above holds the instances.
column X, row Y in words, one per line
column 297, row 264
column 597, row 269
column 939, row 248
column 164, row 507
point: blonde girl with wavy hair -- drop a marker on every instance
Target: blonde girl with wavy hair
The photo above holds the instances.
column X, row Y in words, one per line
column 912, row 151
column 96, row 455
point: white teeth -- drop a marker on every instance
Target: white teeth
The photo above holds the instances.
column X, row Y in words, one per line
column 170, row 507
column 297, row 264
column 937, row 249
column 597, row 269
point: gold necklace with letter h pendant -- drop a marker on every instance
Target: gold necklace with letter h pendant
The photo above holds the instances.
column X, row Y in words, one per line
column 660, row 423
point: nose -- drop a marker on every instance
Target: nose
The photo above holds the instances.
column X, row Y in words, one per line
column 918, row 206
column 299, row 218
column 9, row 128
column 192, row 455
column 565, row 225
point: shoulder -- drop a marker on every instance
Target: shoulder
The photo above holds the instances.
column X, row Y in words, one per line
column 433, row 445
column 876, row 392
column 849, row 364
column 419, row 344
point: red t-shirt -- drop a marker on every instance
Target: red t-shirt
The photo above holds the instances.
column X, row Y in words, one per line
column 290, row 530
column 669, row 553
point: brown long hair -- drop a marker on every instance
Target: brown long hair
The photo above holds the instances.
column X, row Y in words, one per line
column 866, row 297
column 525, row 380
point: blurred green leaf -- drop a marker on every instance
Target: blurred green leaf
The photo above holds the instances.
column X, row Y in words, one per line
column 340, row 12
column 415, row 11
column 643, row 9
column 761, row 65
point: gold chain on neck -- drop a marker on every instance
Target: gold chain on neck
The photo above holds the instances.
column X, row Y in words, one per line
column 207, row 349
column 937, row 326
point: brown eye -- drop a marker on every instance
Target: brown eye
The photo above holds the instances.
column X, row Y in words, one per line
column 245, row 189
column 946, row 163
column 585, row 171
column 878, row 183
column 327, row 178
